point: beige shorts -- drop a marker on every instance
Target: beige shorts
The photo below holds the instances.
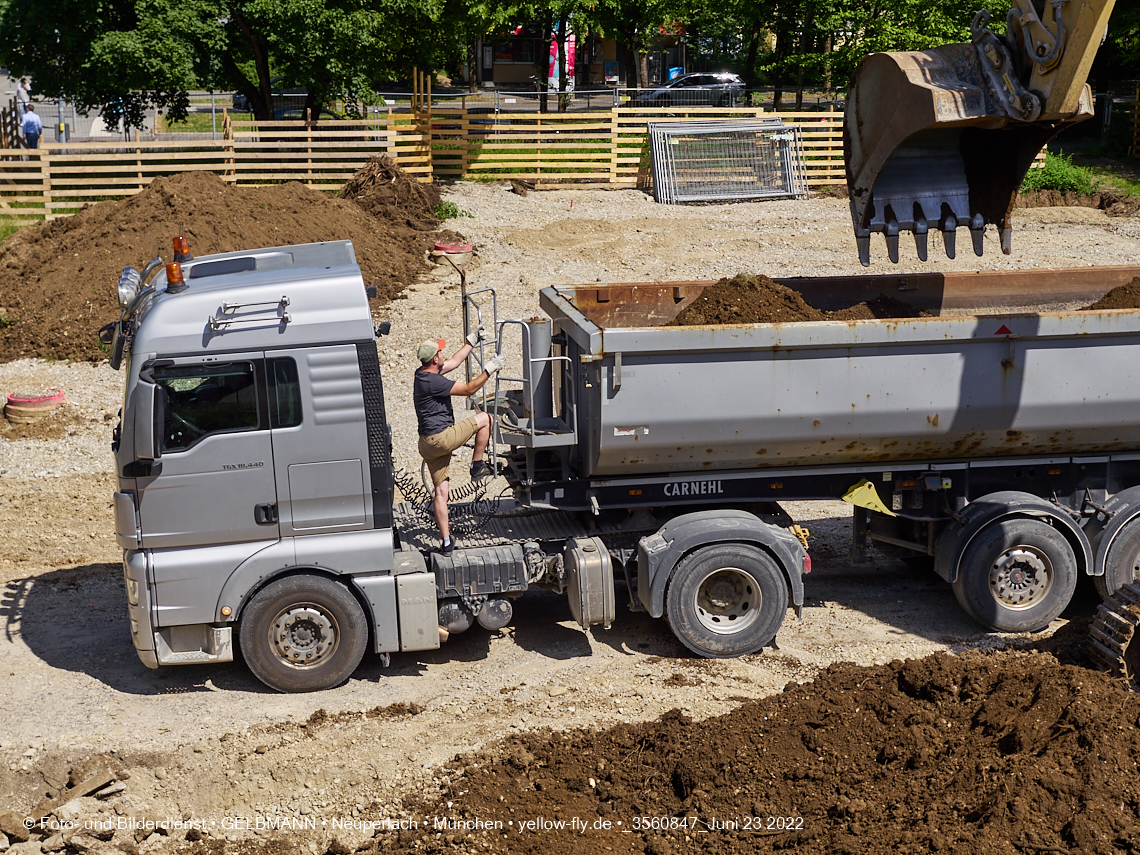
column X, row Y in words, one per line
column 436, row 449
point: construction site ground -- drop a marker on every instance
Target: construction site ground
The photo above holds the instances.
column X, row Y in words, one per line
column 846, row 736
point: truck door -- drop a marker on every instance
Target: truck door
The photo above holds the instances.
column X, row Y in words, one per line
column 215, row 482
column 320, row 440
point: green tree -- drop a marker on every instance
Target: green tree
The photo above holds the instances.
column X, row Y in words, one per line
column 125, row 56
column 634, row 24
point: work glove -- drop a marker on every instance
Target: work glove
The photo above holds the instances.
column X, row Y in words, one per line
column 477, row 336
column 494, row 365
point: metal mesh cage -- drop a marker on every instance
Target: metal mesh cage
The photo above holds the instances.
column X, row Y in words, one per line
column 718, row 160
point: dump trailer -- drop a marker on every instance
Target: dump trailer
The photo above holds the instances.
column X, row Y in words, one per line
column 256, row 487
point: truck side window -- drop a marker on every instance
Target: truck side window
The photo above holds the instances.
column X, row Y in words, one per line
column 206, row 399
column 284, row 393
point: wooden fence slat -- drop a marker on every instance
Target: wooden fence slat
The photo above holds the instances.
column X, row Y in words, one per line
column 595, row 148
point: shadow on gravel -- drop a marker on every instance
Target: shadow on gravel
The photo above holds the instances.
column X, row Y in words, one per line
column 75, row 619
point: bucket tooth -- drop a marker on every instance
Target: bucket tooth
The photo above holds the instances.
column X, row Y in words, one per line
column 891, row 233
column 1006, row 240
column 977, row 232
column 863, row 242
column 949, row 226
column 921, row 228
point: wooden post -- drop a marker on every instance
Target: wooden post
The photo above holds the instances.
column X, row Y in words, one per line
column 138, row 161
column 308, row 148
column 228, row 170
column 614, row 165
column 45, row 179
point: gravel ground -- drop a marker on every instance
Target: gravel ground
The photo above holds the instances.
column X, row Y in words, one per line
column 211, row 742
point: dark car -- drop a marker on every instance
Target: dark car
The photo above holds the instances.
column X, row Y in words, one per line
column 720, row 89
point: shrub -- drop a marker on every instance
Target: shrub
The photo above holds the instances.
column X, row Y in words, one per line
column 1061, row 174
column 449, row 211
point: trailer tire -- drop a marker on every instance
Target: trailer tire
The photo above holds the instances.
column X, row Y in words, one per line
column 1122, row 562
column 1016, row 575
column 303, row 634
column 726, row 600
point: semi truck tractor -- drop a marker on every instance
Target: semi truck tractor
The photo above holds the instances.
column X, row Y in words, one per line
column 256, row 500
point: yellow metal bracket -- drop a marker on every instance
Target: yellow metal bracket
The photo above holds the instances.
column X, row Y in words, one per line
column 863, row 495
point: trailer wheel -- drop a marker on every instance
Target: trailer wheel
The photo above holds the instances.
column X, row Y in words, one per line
column 1016, row 576
column 1122, row 563
column 726, row 600
column 303, row 634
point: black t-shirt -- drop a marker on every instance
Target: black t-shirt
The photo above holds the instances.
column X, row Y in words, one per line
column 431, row 394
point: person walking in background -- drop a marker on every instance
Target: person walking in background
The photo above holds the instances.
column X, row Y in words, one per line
column 32, row 126
column 23, row 96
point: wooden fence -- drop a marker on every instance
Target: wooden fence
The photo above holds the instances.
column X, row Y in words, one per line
column 603, row 149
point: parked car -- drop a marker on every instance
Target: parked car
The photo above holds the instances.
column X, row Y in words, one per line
column 719, row 90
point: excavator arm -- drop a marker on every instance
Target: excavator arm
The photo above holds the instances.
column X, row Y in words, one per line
column 942, row 139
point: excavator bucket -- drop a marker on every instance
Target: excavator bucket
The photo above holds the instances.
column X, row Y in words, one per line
column 941, row 139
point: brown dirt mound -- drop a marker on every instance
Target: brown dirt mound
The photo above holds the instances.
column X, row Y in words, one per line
column 1112, row 202
column 1121, row 297
column 386, row 192
column 57, row 279
column 759, row 300
column 1005, row 752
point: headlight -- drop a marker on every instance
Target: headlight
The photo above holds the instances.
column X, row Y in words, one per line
column 129, row 282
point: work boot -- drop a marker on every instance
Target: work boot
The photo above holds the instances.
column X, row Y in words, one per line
column 481, row 473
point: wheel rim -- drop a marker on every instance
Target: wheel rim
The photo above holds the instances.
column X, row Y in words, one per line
column 727, row 601
column 304, row 636
column 1021, row 577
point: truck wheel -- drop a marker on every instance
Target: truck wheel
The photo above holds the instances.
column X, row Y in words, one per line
column 726, row 600
column 303, row 634
column 1016, row 576
column 1122, row 563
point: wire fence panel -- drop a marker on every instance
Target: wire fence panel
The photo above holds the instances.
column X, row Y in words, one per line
column 715, row 161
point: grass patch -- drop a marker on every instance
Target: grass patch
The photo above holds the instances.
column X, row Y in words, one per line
column 1131, row 186
column 450, row 211
column 1061, row 174
column 195, row 123
column 10, row 227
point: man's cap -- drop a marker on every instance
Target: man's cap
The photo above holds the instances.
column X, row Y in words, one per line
column 429, row 348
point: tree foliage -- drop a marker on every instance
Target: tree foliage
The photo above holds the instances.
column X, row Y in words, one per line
column 123, row 57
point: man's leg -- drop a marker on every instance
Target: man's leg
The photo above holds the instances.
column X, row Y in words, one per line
column 439, row 505
column 482, row 436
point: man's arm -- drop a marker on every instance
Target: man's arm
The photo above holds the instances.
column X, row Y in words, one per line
column 463, row 390
column 456, row 360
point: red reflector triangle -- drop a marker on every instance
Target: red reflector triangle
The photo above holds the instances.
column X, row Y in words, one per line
column 1004, row 330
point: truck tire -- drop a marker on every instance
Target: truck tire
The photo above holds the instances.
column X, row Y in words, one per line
column 1017, row 575
column 303, row 634
column 1122, row 563
column 726, row 600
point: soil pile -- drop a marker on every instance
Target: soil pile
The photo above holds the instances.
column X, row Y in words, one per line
column 758, row 300
column 1121, row 297
column 1001, row 752
column 1112, row 202
column 385, row 191
column 57, row 279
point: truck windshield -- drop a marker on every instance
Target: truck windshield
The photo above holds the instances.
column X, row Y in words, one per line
column 206, row 399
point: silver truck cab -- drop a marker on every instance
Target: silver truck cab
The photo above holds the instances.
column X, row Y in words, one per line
column 254, row 468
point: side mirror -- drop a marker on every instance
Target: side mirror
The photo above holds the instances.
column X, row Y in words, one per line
column 150, row 416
